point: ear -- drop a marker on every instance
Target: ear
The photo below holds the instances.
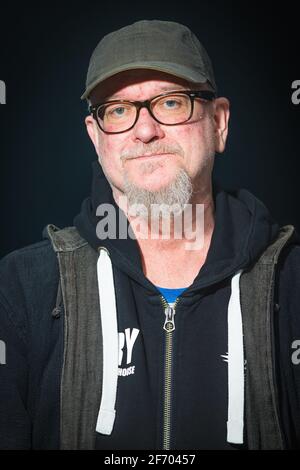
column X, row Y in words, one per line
column 221, row 119
column 92, row 130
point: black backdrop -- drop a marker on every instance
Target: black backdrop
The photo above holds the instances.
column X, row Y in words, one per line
column 45, row 152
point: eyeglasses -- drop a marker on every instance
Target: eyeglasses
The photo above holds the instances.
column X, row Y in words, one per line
column 169, row 109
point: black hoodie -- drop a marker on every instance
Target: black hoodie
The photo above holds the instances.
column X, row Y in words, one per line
column 30, row 379
column 243, row 229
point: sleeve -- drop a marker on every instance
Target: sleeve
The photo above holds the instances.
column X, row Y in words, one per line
column 15, row 425
column 287, row 334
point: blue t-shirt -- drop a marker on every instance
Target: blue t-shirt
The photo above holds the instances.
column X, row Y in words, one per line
column 170, row 294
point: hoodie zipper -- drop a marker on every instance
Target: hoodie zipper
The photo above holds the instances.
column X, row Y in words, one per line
column 169, row 327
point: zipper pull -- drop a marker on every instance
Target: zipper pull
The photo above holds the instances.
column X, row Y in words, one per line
column 169, row 321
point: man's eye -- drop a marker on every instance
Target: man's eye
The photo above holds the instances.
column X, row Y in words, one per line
column 171, row 104
column 117, row 112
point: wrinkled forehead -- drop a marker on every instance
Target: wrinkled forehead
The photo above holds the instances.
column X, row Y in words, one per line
column 129, row 80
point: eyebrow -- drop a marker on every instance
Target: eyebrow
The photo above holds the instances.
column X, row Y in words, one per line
column 162, row 90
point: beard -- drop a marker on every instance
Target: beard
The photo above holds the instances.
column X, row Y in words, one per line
column 173, row 197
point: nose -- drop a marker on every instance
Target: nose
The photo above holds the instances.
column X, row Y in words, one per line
column 146, row 128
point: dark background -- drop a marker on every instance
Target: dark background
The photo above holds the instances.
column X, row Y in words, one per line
column 45, row 152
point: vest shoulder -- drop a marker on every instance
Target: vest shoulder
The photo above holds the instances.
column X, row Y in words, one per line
column 65, row 239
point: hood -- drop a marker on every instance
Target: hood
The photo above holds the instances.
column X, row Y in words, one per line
column 243, row 229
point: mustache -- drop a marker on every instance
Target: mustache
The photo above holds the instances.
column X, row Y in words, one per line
column 154, row 148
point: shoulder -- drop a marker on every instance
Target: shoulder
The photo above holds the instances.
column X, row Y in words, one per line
column 28, row 284
column 289, row 269
column 26, row 261
column 288, row 283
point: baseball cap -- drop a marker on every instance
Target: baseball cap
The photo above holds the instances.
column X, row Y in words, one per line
column 164, row 46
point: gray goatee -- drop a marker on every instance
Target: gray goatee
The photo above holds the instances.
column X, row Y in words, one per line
column 158, row 203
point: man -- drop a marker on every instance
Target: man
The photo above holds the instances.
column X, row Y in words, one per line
column 168, row 316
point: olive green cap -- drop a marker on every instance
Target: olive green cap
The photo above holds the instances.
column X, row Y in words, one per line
column 165, row 46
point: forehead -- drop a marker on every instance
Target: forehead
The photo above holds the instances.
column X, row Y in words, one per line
column 136, row 81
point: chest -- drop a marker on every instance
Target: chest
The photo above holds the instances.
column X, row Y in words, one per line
column 173, row 385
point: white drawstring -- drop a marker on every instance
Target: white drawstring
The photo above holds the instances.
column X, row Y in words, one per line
column 235, row 423
column 108, row 312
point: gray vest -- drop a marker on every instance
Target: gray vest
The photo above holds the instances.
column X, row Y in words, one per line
column 81, row 381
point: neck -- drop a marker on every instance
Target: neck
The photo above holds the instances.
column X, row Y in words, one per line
column 163, row 258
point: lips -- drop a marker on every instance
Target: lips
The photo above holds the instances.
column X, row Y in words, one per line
column 146, row 156
column 153, row 155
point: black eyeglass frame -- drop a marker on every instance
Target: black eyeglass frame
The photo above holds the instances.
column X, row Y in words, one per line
column 205, row 95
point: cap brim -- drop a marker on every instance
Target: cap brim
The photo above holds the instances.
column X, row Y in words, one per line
column 177, row 70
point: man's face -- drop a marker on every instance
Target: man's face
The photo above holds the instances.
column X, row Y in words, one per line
column 150, row 156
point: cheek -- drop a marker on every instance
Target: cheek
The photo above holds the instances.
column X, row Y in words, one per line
column 197, row 142
column 109, row 155
column 190, row 138
column 107, row 151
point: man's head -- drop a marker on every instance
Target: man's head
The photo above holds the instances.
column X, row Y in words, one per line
column 162, row 148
